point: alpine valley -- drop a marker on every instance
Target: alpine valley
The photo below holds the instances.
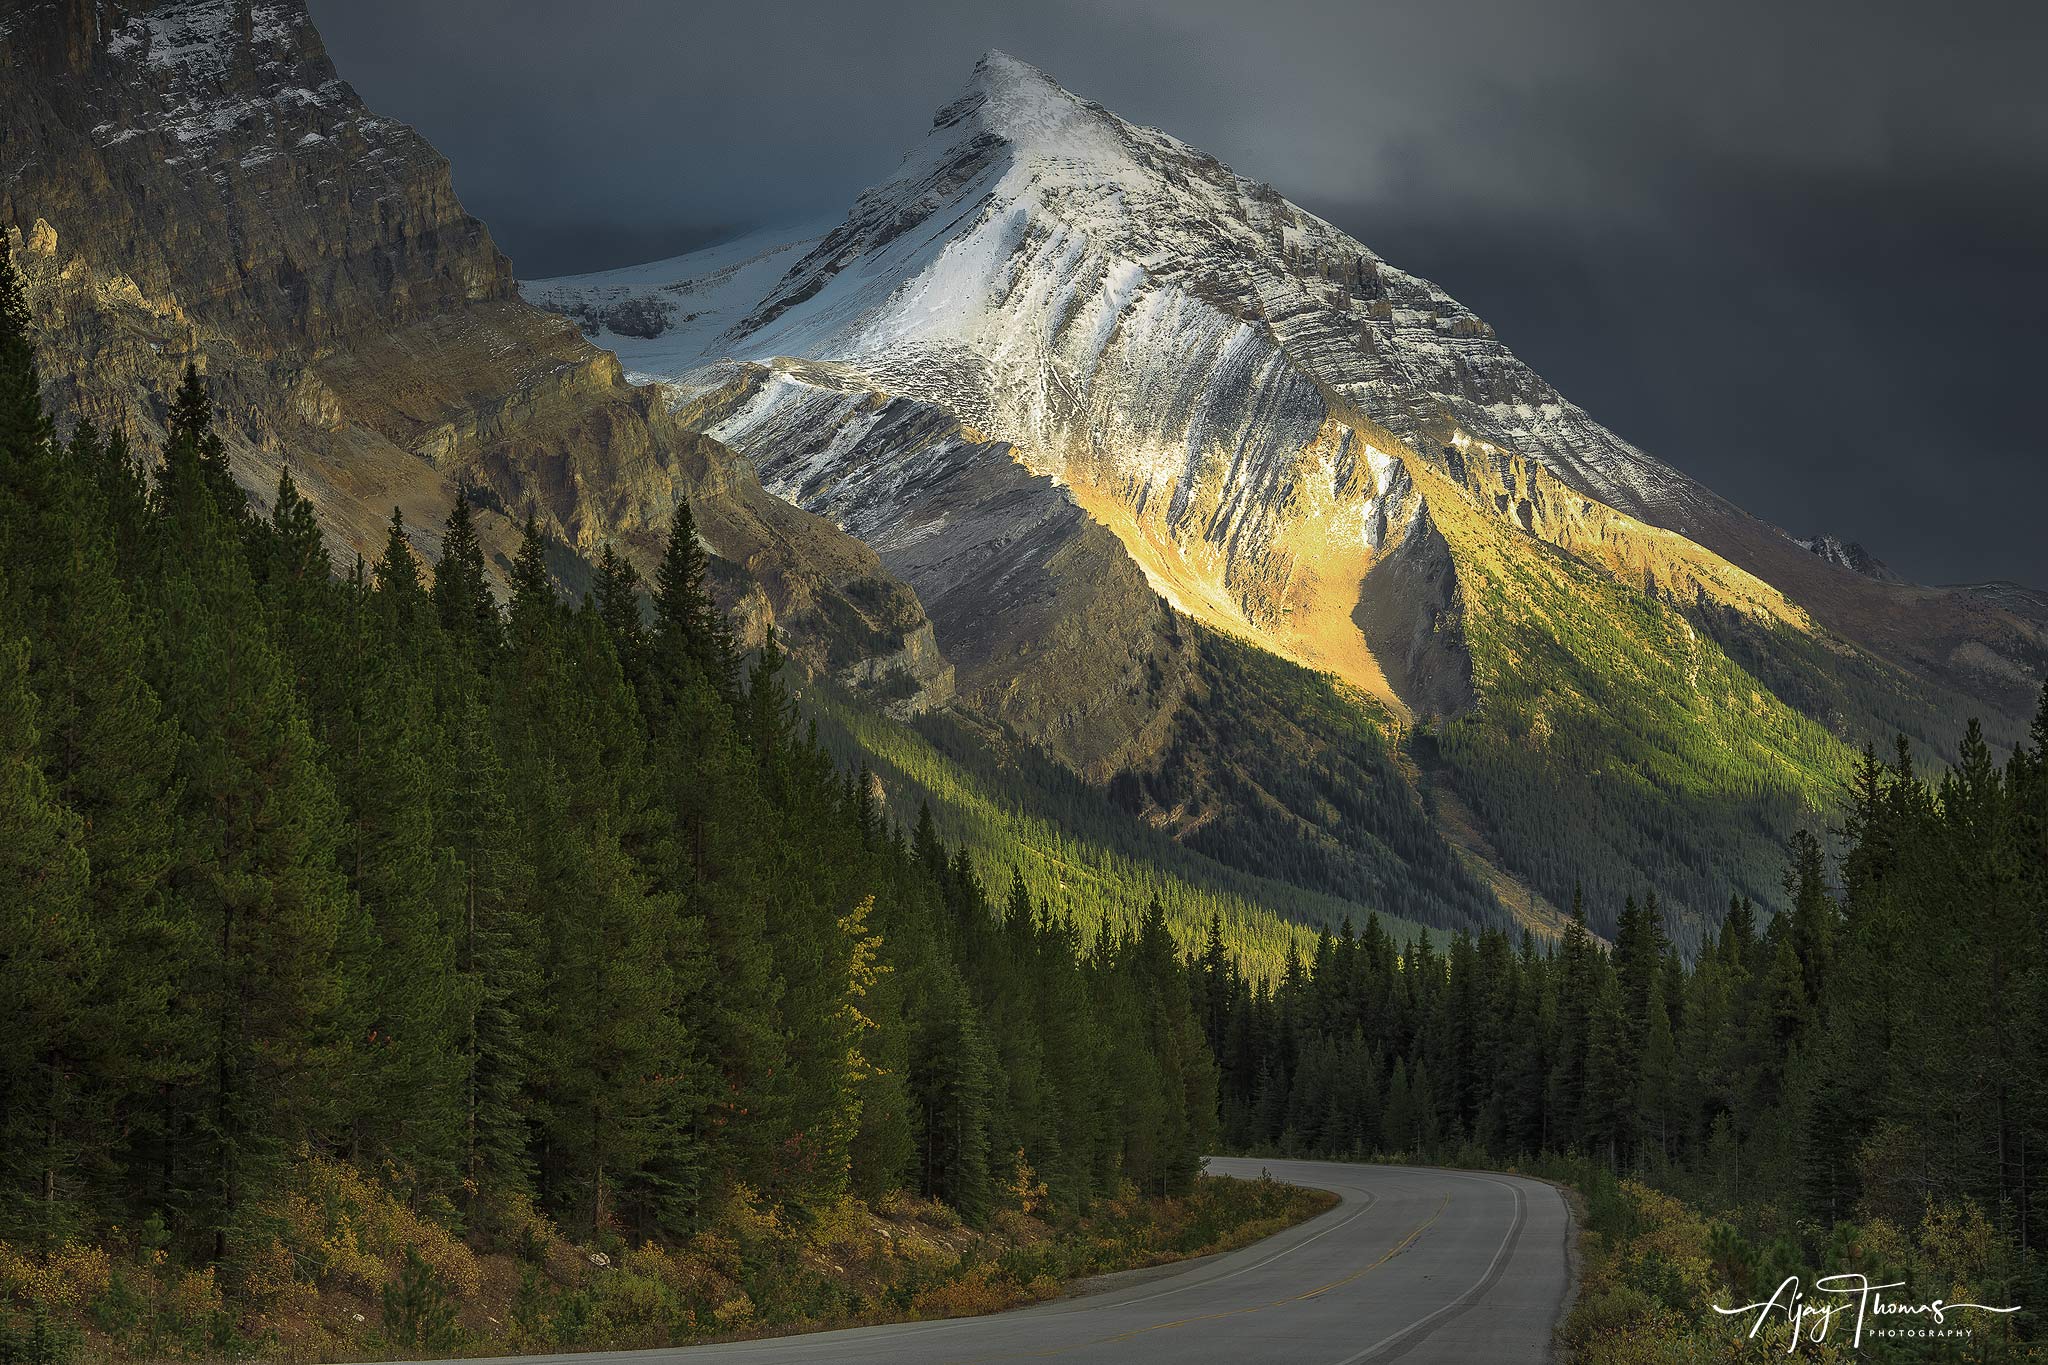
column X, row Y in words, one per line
column 876, row 774
column 1159, row 534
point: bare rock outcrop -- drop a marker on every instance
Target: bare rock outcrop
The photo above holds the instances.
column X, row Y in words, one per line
column 191, row 181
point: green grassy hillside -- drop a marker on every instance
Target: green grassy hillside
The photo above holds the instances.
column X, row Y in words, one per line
column 1617, row 743
column 1074, row 849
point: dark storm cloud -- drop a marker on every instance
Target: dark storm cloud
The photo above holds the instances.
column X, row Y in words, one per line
column 1798, row 249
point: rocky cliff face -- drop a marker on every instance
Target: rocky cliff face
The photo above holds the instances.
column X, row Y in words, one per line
column 210, row 152
column 1848, row 554
column 1053, row 628
column 191, row 180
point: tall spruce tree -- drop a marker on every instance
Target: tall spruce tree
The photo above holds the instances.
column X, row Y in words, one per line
column 257, row 871
column 51, row 958
column 106, row 751
column 496, row 939
column 462, row 590
column 689, row 635
column 407, row 1107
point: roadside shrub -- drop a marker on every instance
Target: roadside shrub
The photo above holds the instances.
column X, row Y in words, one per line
column 419, row 1315
column 40, row 1295
column 345, row 1228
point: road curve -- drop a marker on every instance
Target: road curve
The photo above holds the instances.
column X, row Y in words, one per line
column 1416, row 1264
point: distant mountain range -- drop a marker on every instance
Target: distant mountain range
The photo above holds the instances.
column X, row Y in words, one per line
column 1067, row 442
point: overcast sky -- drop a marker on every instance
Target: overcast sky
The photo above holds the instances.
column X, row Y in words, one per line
column 1798, row 248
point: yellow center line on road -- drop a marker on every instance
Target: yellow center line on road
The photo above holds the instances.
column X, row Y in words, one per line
column 1136, row 1332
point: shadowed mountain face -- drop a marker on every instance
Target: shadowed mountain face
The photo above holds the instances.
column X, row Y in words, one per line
column 1600, row 660
column 192, row 181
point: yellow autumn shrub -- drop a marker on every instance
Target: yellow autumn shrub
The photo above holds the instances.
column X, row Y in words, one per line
column 284, row 1305
column 978, row 1290
column 67, row 1278
column 1957, row 1247
column 1676, row 1234
column 194, row 1300
column 343, row 1227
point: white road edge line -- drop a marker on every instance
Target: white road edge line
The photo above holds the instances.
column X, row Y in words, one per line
column 740, row 1350
column 1513, row 1225
column 930, row 1327
column 1370, row 1200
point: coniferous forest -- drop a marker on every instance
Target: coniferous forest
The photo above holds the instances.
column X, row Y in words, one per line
column 354, row 920
column 1860, row 1081
column 316, row 879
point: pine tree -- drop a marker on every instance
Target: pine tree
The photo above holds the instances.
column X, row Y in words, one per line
column 925, row 846
column 400, row 590
column 109, row 754
column 1609, row 1092
column 1531, row 1034
column 51, row 959
column 950, row 1089
column 296, row 550
column 194, row 449
column 106, row 752
column 495, row 943
column 535, row 607
column 1778, row 1022
column 1180, row 1052
column 462, row 591
column 120, row 494
column 1429, row 1126
column 1657, row 1083
column 106, row 749
column 618, row 605
column 615, row 1049
column 257, row 862
column 1071, row 1047
column 689, row 636
column 408, row 1108
column 1401, row 1120
column 707, row 783
column 768, row 722
column 883, row 1150
column 1814, row 913
column 1576, row 982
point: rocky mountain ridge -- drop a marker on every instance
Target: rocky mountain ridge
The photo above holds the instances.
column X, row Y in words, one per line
column 1244, row 386
column 1302, row 446
column 191, row 181
column 1847, row 554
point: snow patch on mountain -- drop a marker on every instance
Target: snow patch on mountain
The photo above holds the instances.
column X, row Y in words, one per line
column 1047, row 271
column 187, row 54
column 663, row 318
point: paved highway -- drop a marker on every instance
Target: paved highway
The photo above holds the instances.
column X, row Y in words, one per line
column 1415, row 1265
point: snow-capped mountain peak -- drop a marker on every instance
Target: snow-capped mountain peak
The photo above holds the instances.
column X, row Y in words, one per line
column 1032, row 222
column 1263, row 410
column 1020, row 104
column 1234, row 384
